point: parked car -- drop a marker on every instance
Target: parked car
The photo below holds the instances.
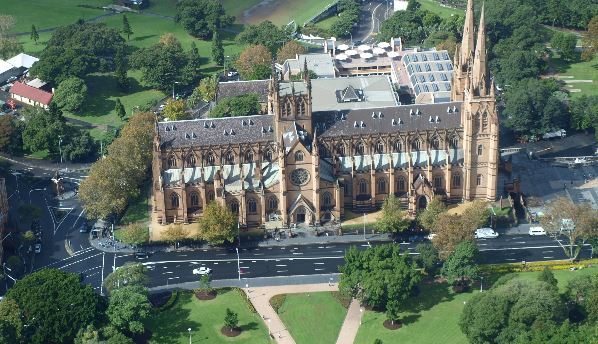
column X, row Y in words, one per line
column 537, row 231
column 485, row 233
column 141, row 255
column 38, row 248
column 202, row 271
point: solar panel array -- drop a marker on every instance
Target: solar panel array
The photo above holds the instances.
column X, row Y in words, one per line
column 430, row 72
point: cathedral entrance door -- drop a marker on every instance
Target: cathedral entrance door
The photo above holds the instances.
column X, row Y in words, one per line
column 422, row 203
column 300, row 214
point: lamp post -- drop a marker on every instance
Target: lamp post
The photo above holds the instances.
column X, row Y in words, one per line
column 363, row 226
column 360, row 315
column 60, row 147
column 350, row 34
column 224, row 72
column 174, row 82
column 102, row 282
column 481, row 283
column 189, row 329
column 238, row 234
column 17, row 174
column 238, row 263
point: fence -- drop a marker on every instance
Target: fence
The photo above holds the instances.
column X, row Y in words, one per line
column 324, row 13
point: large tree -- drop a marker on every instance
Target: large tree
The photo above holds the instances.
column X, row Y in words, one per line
column 243, row 105
column 556, row 221
column 584, row 113
column 393, row 218
column 427, row 219
column 207, row 88
column 79, row 147
column 43, row 129
column 461, row 266
column 290, row 50
column 590, row 40
column 70, row 94
column 128, row 308
column 266, row 34
column 565, row 44
column 11, row 322
column 253, row 61
column 217, row 225
column 502, row 314
column 10, row 135
column 379, row 275
column 175, row 233
column 130, row 274
column 201, row 17
column 217, row 49
column 55, row 305
column 135, row 233
column 175, row 110
column 126, row 30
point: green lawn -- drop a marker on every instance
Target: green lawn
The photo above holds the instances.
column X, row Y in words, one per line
column 138, row 209
column 327, row 23
column 206, row 318
column 433, row 316
column 578, row 70
column 435, row 7
column 313, row 318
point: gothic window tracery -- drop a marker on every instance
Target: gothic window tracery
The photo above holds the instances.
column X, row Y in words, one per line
column 327, row 199
column 401, row 184
column 485, row 122
column 299, row 156
column 191, row 160
column 174, row 200
column 249, row 157
column 359, row 148
column 379, row 147
column 382, row 185
column 252, row 206
column 341, row 149
column 416, row 144
column 171, row 161
column 454, row 142
column 363, row 187
column 398, row 146
column 194, row 199
column 268, row 155
column 435, row 143
column 210, row 159
column 273, row 203
column 234, row 206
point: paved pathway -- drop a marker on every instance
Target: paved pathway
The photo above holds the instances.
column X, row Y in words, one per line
column 260, row 298
column 351, row 324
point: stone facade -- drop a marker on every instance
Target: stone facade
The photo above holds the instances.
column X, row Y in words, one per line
column 295, row 166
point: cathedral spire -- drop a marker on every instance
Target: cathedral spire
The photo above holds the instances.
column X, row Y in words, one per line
column 275, row 81
column 480, row 72
column 468, row 33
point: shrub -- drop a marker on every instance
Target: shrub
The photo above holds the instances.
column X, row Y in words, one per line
column 171, row 301
column 277, row 301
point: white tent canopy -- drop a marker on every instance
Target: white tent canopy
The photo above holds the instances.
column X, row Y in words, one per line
column 378, row 51
column 392, row 54
column 366, row 55
column 364, row 47
column 383, row 45
column 351, row 52
column 343, row 47
column 341, row 57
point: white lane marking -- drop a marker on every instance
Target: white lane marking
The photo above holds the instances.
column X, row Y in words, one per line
column 281, row 265
column 511, row 259
column 297, row 252
column 319, row 263
column 330, row 246
column 282, row 270
column 78, row 217
column 258, row 254
column 221, row 254
column 167, row 272
column 547, row 257
column 337, row 251
column 549, row 251
column 182, row 255
column 215, row 263
column 523, row 248
column 482, row 244
column 97, row 267
column 269, row 248
column 319, row 269
column 320, row 246
column 253, row 261
column 244, row 267
column 520, row 242
column 93, row 274
column 79, row 261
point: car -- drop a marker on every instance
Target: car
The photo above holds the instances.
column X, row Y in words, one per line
column 430, row 236
column 537, row 231
column 84, row 229
column 485, row 233
column 141, row 255
column 38, row 248
column 202, row 271
column 357, row 42
column 232, row 73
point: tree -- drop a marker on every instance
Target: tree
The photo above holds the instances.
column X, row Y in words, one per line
column 135, row 233
column 217, row 49
column 11, row 141
column 128, row 308
column 217, row 225
column 119, row 108
column 231, row 320
column 589, row 41
column 428, row 256
column 413, row 5
column 55, row 305
column 9, row 46
column 205, row 285
column 392, row 219
column 11, row 323
column 427, row 218
column 34, row 35
column 290, row 50
column 461, row 265
column 175, row 233
column 378, row 275
column 43, row 129
column 565, row 44
column 266, row 34
column 347, row 18
column 249, row 62
column 243, row 105
column 195, row 99
column 207, row 89
column 502, row 314
column 127, row 27
column 28, row 237
column 201, row 18
column 584, row 113
column 547, row 276
column 70, row 94
column 130, row 274
column 562, row 211
column 175, row 110
column 192, row 71
column 405, row 24
column 121, row 70
column 79, row 146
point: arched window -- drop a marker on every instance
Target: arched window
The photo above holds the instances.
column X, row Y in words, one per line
column 234, row 206
column 456, row 181
column 382, row 185
column 401, row 184
column 251, row 206
column 340, row 149
column 359, row 148
column 398, row 146
column 479, row 180
column 454, row 142
column 299, row 156
column 268, row 155
column 438, row 182
column 171, row 161
column 248, row 157
column 191, row 160
column 379, row 147
column 210, row 159
column 347, row 189
column 416, row 145
column 485, row 122
column 323, row 151
column 273, row 203
column 363, row 186
column 301, row 108
column 476, row 123
column 210, row 196
column 480, row 149
column 194, row 199
column 327, row 199
column 435, row 143
column 229, row 158
column 174, row 200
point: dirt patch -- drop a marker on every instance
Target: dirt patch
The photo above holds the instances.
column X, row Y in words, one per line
column 389, row 325
column 230, row 333
column 206, row 296
column 160, row 299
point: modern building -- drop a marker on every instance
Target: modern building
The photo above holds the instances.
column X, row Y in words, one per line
column 321, row 151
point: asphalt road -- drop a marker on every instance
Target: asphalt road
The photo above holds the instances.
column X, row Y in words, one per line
column 372, row 15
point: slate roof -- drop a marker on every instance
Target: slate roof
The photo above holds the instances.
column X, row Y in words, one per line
column 32, row 93
column 388, row 120
column 236, row 88
column 216, row 131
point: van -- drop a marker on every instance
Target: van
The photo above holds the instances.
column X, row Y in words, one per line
column 537, row 231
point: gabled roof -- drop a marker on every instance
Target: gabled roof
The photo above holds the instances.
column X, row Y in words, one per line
column 32, row 93
column 236, row 88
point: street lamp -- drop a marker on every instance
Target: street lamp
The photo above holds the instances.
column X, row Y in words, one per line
column 225, row 57
column 60, row 147
column 238, row 263
column 350, row 34
column 481, row 283
column 189, row 329
column 17, row 174
column 363, row 226
column 174, row 82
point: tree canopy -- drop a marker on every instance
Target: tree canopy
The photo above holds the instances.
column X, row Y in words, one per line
column 461, row 265
column 130, row 274
column 266, row 34
column 254, row 63
column 584, row 113
column 201, row 17
column 217, row 225
column 590, row 40
column 135, row 233
column 427, row 218
column 290, row 50
column 128, row 308
column 70, row 94
column 55, row 305
column 393, row 218
column 243, row 105
column 175, row 110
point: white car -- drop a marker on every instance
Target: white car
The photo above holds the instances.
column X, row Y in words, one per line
column 430, row 236
column 536, row 231
column 202, row 271
column 38, row 248
column 485, row 233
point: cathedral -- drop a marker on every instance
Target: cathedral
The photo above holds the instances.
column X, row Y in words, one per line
column 330, row 145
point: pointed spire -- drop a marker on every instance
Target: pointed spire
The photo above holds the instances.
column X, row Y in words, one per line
column 468, row 33
column 492, row 86
column 275, row 81
column 306, row 76
column 314, row 143
column 479, row 65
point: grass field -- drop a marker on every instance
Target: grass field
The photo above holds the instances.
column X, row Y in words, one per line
column 206, row 318
column 327, row 23
column 314, row 318
column 435, row 7
column 138, row 210
column 433, row 316
column 570, row 72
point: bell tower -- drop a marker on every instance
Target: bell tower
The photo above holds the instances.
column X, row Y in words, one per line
column 291, row 102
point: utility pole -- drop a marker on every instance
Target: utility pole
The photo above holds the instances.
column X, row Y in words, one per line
column 363, row 226
column 102, row 283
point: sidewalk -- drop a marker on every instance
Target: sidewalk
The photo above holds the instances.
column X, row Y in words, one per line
column 351, row 324
column 45, row 164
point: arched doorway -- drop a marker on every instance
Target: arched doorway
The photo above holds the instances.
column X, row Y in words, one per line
column 300, row 214
column 422, row 203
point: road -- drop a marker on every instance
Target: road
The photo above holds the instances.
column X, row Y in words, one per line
column 372, row 15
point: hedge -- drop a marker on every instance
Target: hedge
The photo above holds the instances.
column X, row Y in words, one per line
column 537, row 266
column 247, row 301
column 173, row 297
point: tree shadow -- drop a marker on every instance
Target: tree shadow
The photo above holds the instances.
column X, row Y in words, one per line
column 409, row 319
column 249, row 327
column 143, row 38
column 167, row 326
column 429, row 296
column 103, row 86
